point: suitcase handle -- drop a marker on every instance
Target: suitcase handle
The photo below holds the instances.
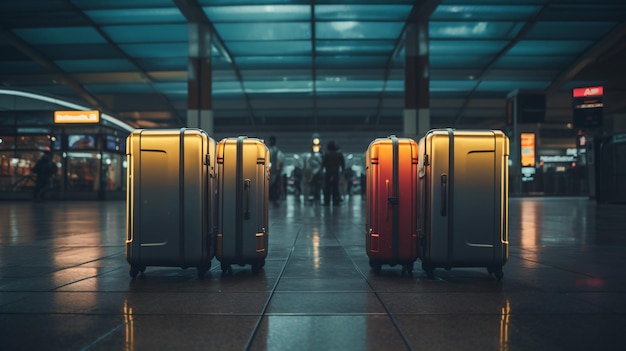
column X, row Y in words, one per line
column 246, row 188
column 444, row 194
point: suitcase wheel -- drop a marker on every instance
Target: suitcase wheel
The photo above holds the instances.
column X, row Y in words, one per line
column 429, row 270
column 203, row 268
column 226, row 268
column 375, row 265
column 407, row 269
column 257, row 265
column 496, row 271
column 134, row 270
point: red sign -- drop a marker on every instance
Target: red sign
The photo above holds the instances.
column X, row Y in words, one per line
column 588, row 91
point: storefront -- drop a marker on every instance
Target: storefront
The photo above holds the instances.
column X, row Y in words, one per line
column 89, row 155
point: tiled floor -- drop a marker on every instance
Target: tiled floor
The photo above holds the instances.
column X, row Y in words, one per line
column 64, row 285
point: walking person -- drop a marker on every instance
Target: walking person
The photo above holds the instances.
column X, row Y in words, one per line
column 44, row 169
column 276, row 168
column 334, row 165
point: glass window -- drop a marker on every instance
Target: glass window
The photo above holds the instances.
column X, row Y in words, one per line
column 83, row 170
column 38, row 142
column 7, row 142
column 81, row 141
column 113, row 171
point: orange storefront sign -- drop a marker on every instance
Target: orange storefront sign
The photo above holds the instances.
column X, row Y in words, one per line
column 528, row 149
column 92, row 116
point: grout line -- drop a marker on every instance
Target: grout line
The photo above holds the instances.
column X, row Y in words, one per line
column 269, row 299
column 393, row 320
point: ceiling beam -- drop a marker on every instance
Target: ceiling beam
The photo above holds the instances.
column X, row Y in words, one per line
column 479, row 78
column 421, row 9
column 61, row 75
column 193, row 12
column 592, row 54
column 145, row 77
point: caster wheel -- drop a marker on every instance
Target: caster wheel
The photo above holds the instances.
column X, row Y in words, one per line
column 256, row 267
column 134, row 270
column 498, row 273
column 375, row 265
column 202, row 269
column 429, row 270
column 407, row 269
column 226, row 268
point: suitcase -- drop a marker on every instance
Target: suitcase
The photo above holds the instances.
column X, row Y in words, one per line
column 464, row 208
column 243, row 166
column 169, row 199
column 391, row 203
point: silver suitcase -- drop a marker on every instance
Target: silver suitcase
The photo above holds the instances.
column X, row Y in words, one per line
column 243, row 188
column 170, row 199
column 464, row 176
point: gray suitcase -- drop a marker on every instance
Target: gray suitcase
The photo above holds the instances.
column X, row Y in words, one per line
column 464, row 206
column 170, row 199
column 243, row 183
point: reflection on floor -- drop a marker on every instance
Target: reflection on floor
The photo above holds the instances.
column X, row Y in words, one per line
column 64, row 285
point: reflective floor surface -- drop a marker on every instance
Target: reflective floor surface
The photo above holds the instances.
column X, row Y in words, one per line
column 64, row 285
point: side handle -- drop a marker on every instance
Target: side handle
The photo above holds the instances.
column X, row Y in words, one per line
column 246, row 188
column 444, row 194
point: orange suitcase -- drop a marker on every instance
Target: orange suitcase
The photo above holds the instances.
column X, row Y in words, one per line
column 391, row 203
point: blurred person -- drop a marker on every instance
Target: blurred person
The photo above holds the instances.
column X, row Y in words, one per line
column 313, row 175
column 333, row 164
column 45, row 169
column 276, row 168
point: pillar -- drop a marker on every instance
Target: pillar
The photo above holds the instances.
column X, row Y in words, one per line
column 199, row 99
column 416, row 119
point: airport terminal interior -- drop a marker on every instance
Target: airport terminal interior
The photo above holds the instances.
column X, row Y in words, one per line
column 78, row 76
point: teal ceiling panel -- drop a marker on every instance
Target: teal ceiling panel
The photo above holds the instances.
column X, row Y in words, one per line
column 121, row 4
column 358, row 30
column 508, row 86
column 265, row 62
column 514, row 62
column 463, row 47
column 148, row 33
column 264, row 87
column 164, row 64
column 156, row 50
column 251, row 2
column 229, row 88
column 498, row 12
column 172, row 88
column 570, row 30
column 550, row 47
column 375, row 47
column 474, row 30
column 452, row 85
column 264, row 31
column 60, row 35
column 136, row 15
column 98, row 65
column 451, row 61
column 363, row 12
column 270, row 48
column 248, row 14
column 13, row 67
column 351, row 61
column 344, row 85
column 119, row 88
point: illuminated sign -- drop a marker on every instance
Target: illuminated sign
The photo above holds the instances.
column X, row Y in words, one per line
column 527, row 142
column 557, row 158
column 92, row 116
column 588, row 91
column 587, row 107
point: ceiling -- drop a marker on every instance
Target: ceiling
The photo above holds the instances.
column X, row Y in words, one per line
column 313, row 65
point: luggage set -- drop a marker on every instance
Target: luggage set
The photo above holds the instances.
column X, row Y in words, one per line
column 189, row 200
column 444, row 200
